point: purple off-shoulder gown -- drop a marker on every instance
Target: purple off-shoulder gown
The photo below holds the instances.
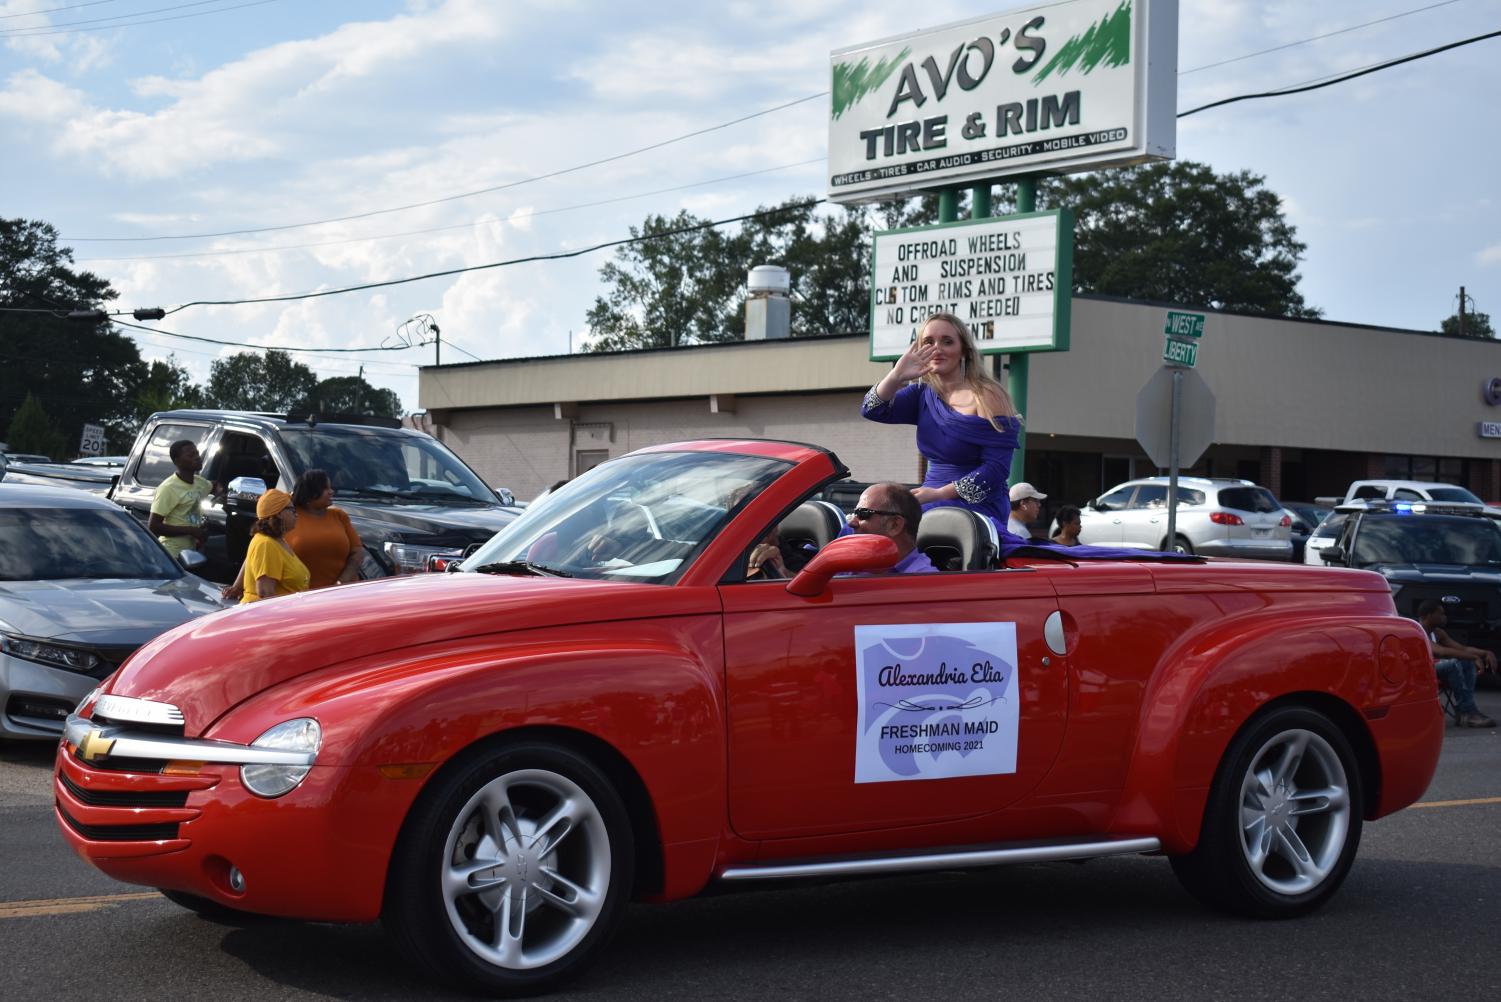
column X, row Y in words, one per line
column 969, row 452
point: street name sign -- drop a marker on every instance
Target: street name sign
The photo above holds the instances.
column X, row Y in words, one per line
column 1184, row 353
column 1009, row 278
column 1055, row 88
column 1184, row 324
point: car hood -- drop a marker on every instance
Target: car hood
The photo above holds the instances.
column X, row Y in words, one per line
column 206, row 667
column 114, row 612
column 430, row 524
column 1439, row 573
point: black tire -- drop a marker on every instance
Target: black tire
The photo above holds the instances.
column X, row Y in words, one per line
column 1179, row 544
column 445, row 902
column 1223, row 870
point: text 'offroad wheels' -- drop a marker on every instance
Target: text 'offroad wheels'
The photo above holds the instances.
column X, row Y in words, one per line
column 513, row 871
column 1283, row 820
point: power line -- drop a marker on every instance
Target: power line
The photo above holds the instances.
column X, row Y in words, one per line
column 1316, row 38
column 1388, row 64
column 98, row 24
column 558, row 256
column 55, row 10
column 453, row 198
column 455, row 226
column 247, row 344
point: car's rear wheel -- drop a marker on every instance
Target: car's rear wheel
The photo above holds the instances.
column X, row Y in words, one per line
column 1179, row 544
column 1283, row 820
column 513, row 871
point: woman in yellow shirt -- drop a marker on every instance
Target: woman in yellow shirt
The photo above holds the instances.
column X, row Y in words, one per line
column 271, row 568
column 324, row 538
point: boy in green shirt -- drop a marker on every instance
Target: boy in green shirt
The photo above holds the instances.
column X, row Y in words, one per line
column 176, row 516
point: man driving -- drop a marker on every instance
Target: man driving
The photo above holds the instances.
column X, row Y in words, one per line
column 890, row 510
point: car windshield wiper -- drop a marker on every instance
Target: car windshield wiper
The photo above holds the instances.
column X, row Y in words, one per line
column 367, row 492
column 522, row 566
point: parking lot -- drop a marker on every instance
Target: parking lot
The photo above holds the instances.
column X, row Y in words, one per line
column 1417, row 919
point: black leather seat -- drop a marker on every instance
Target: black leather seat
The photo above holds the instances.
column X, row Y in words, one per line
column 809, row 528
column 957, row 539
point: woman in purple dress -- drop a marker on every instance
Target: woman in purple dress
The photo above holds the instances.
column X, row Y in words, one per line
column 967, row 428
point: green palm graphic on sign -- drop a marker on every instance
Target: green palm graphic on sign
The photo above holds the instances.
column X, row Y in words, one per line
column 852, row 81
column 1108, row 42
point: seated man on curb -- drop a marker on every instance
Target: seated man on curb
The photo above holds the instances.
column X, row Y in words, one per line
column 1456, row 664
column 890, row 510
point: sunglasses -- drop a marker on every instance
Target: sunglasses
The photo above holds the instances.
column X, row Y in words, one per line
column 865, row 514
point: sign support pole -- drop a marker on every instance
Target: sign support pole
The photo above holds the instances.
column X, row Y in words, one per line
column 1172, row 458
column 1018, row 362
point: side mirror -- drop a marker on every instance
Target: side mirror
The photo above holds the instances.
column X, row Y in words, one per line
column 1332, row 555
column 1098, row 505
column 192, row 560
column 504, row 496
column 845, row 555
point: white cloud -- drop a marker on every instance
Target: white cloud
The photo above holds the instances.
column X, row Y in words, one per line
column 261, row 105
column 1489, row 256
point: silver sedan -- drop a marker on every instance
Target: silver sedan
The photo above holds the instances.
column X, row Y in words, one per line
column 82, row 585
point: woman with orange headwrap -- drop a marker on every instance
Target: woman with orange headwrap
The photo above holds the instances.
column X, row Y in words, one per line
column 271, row 568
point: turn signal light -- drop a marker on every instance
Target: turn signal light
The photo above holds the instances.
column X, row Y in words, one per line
column 1225, row 518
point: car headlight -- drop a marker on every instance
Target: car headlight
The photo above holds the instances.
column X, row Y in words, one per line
column 302, row 735
column 408, row 558
column 47, row 653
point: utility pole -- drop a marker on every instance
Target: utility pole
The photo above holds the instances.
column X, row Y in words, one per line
column 359, row 392
column 1461, row 311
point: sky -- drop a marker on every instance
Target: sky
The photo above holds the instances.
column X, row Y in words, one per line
column 147, row 131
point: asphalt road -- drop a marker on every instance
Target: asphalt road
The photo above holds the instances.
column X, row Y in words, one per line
column 1417, row 919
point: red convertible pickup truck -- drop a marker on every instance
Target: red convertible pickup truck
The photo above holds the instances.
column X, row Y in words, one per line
column 603, row 707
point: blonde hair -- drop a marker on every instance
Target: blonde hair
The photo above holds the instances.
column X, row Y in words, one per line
column 976, row 378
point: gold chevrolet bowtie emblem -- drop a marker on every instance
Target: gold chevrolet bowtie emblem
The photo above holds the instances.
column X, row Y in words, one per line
column 94, row 746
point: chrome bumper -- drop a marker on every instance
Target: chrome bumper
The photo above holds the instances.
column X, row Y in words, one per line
column 112, row 742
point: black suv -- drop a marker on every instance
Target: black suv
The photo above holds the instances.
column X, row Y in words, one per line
column 1446, row 551
column 407, row 495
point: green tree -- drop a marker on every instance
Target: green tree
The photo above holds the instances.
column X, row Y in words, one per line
column 82, row 372
column 31, row 430
column 1181, row 233
column 271, row 382
column 1477, row 325
column 352, row 395
column 167, row 386
column 689, row 287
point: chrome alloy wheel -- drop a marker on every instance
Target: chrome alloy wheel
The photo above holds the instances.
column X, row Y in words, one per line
column 1294, row 812
column 526, row 868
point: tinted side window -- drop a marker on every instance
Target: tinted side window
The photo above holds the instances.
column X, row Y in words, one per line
column 1118, row 499
column 156, row 465
column 1256, row 499
column 1150, row 496
column 1330, row 527
column 1406, row 494
column 1367, row 492
column 1190, row 496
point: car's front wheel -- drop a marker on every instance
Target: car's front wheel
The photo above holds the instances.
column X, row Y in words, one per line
column 513, row 870
column 1283, row 819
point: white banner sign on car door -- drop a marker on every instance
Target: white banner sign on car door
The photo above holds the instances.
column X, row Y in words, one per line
column 936, row 700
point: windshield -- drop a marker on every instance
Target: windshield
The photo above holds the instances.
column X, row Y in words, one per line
column 1427, row 539
column 375, row 462
column 641, row 518
column 56, row 544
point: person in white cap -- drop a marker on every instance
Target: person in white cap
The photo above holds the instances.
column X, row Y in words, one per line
column 1026, row 506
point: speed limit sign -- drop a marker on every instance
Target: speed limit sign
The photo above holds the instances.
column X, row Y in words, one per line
column 92, row 442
